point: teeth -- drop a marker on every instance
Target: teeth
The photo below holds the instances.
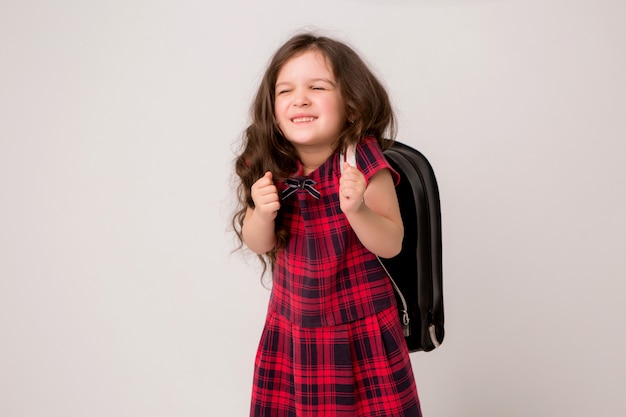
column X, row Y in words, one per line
column 303, row 119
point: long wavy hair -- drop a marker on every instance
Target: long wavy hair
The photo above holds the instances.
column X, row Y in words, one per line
column 264, row 148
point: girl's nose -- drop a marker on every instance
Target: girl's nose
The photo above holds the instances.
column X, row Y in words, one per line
column 301, row 98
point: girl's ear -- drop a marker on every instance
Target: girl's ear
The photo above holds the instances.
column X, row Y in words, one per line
column 352, row 113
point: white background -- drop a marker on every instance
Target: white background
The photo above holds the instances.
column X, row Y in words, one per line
column 119, row 295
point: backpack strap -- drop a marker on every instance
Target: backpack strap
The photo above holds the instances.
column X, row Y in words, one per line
column 348, row 156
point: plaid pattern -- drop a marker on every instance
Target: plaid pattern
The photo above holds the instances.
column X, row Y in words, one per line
column 325, row 276
column 356, row 369
column 332, row 343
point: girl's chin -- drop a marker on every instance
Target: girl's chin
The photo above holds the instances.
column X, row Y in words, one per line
column 306, row 143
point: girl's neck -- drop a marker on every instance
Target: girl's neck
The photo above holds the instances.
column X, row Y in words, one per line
column 312, row 159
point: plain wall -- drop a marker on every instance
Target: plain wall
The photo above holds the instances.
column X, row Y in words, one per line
column 119, row 294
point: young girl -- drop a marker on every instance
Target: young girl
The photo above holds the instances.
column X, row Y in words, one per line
column 332, row 344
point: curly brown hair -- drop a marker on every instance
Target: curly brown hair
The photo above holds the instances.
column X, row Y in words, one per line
column 263, row 146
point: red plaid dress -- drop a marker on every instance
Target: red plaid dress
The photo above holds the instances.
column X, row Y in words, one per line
column 332, row 344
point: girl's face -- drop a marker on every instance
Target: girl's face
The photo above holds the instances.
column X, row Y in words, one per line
column 308, row 106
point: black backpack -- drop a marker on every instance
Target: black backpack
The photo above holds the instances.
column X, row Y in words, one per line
column 416, row 272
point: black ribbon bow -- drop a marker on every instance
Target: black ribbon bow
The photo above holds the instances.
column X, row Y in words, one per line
column 300, row 183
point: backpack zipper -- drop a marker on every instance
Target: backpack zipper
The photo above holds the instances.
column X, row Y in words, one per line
column 405, row 320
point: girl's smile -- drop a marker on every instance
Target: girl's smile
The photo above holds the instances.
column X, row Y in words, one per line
column 303, row 119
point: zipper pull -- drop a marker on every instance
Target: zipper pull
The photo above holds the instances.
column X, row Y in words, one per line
column 406, row 330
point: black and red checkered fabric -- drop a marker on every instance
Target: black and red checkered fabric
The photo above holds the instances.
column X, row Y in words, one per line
column 332, row 343
column 325, row 276
column 356, row 369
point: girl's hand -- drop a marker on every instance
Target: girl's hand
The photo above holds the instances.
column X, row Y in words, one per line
column 265, row 197
column 352, row 186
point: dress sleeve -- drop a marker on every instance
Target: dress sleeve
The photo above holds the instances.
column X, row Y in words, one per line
column 370, row 159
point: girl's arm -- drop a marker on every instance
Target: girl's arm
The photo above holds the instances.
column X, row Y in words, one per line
column 258, row 224
column 373, row 211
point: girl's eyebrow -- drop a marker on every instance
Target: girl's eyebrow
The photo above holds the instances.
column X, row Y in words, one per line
column 313, row 80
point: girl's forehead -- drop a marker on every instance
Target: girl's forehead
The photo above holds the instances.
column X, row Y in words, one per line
column 312, row 61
